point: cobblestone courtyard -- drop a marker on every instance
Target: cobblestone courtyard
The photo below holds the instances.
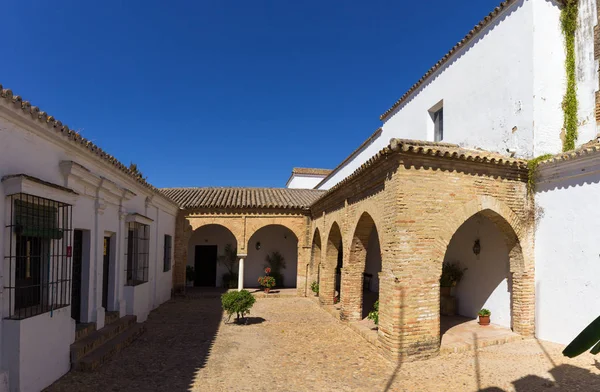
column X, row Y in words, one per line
column 291, row 344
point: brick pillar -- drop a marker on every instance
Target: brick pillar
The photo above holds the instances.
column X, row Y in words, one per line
column 523, row 303
column 351, row 296
column 326, row 284
column 409, row 318
column 301, row 276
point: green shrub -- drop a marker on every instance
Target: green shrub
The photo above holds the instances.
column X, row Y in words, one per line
column 484, row 312
column 238, row 302
column 374, row 314
column 314, row 286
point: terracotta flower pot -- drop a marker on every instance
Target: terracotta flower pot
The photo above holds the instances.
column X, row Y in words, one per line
column 267, row 289
column 484, row 320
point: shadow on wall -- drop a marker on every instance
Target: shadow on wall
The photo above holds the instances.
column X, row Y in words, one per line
column 178, row 342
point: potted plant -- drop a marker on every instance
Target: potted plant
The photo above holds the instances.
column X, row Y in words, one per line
column 267, row 282
column 190, row 275
column 374, row 314
column 314, row 286
column 452, row 273
column 484, row 316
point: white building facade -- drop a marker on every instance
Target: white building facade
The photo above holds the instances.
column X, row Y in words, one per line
column 81, row 236
column 499, row 89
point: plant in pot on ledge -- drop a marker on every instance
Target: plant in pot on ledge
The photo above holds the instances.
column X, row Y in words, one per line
column 229, row 260
column 452, row 273
column 484, row 316
column 267, row 282
column 190, row 275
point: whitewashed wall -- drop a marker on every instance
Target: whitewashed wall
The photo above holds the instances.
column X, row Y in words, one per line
column 212, row 235
column 303, row 181
column 567, row 249
column 485, row 283
column 272, row 238
column 33, row 149
column 503, row 91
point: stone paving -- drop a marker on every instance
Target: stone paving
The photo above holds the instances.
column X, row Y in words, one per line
column 291, row 344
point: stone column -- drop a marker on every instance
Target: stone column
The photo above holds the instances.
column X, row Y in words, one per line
column 241, row 273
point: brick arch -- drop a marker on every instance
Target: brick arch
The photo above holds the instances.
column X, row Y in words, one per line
column 520, row 249
column 315, row 257
column 505, row 219
column 232, row 225
column 333, row 246
column 352, row 298
column 255, row 225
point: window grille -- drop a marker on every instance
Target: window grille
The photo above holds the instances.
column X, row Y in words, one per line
column 167, row 256
column 38, row 258
column 138, row 247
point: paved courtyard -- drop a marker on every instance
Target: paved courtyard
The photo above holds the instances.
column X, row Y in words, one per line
column 291, row 344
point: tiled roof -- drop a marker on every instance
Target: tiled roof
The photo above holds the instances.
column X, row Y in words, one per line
column 435, row 149
column 68, row 135
column 590, row 148
column 474, row 31
column 311, row 171
column 283, row 198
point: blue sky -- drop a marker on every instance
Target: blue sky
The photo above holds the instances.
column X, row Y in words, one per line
column 224, row 93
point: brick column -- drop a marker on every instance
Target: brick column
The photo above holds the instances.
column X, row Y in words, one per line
column 409, row 318
column 301, row 278
column 523, row 303
column 180, row 252
column 326, row 284
column 352, row 293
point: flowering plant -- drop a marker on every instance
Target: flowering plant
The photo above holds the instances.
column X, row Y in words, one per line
column 267, row 270
column 266, row 281
column 336, row 299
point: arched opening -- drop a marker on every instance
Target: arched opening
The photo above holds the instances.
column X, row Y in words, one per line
column 485, row 253
column 315, row 259
column 266, row 245
column 330, row 276
column 210, row 248
column 361, row 276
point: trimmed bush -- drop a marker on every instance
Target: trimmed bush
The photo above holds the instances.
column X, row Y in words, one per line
column 238, row 302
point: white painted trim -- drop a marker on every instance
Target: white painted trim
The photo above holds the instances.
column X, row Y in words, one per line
column 139, row 218
column 22, row 184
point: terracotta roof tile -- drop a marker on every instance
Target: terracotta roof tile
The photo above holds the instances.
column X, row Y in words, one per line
column 280, row 198
column 590, row 148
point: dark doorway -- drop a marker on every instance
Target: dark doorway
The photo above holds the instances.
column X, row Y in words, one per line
column 76, row 282
column 105, row 269
column 205, row 265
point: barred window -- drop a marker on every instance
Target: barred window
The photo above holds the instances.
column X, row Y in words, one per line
column 38, row 257
column 138, row 247
column 167, row 255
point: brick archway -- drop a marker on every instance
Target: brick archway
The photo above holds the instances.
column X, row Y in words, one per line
column 521, row 264
column 315, row 257
column 352, row 276
column 327, row 275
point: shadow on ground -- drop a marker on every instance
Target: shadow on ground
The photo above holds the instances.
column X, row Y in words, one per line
column 178, row 342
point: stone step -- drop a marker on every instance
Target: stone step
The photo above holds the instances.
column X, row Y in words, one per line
column 111, row 317
column 95, row 339
column 93, row 360
column 82, row 330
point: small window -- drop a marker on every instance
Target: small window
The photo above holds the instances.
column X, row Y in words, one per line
column 38, row 277
column 438, row 125
column 138, row 249
column 167, row 255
